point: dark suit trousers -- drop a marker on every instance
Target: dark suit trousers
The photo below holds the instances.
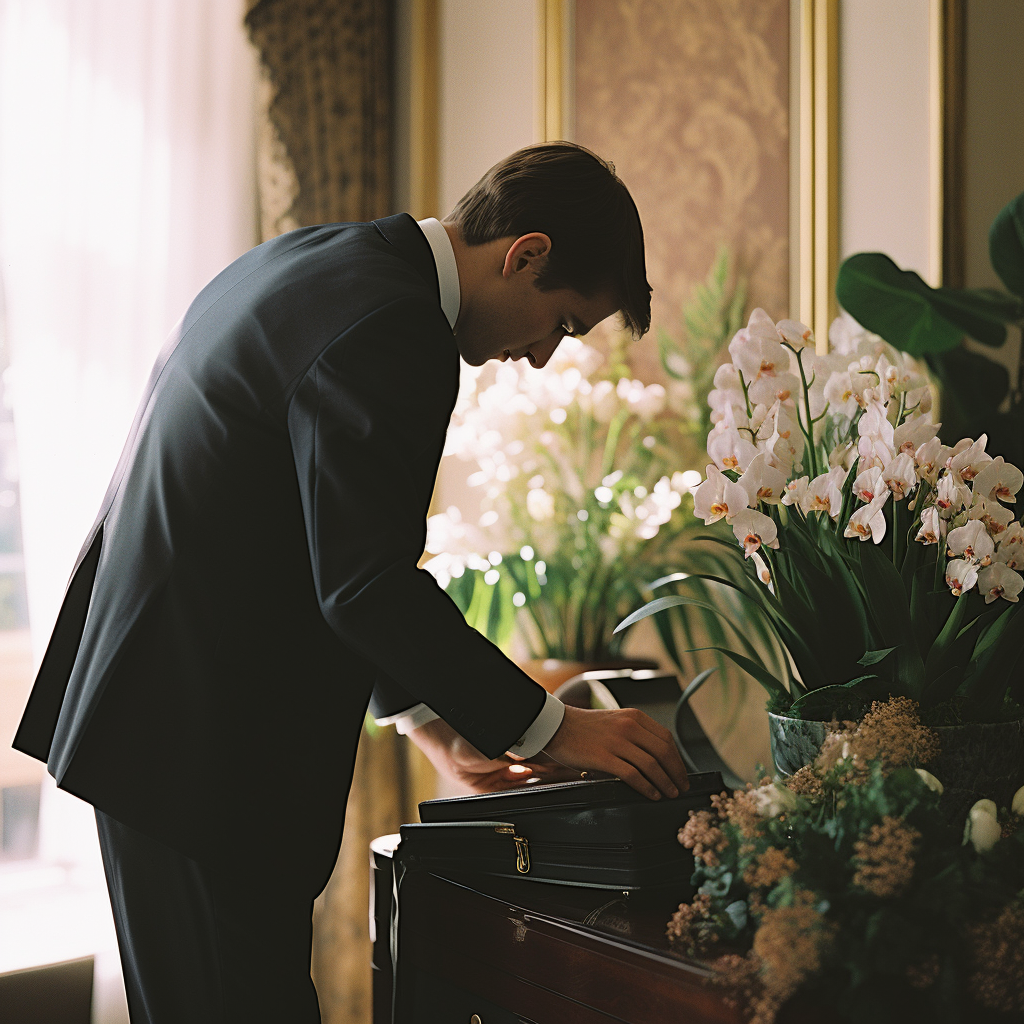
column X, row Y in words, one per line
column 208, row 944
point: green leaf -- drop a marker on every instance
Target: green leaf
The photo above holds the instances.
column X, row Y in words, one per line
column 1006, row 245
column 937, row 656
column 915, row 318
column 845, row 701
column 757, row 670
column 874, row 657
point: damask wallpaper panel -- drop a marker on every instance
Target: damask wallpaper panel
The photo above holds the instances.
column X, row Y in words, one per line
column 690, row 100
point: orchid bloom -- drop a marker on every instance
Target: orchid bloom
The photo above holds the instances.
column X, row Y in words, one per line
column 999, row 580
column 763, row 572
column 930, row 458
column 868, row 521
column 1011, row 548
column 932, row 526
column 971, row 541
column 900, row 475
column 730, row 450
column 991, row 513
column 785, row 443
column 876, row 436
column 754, row 529
column 795, row 491
column 718, row 497
column 762, row 482
column 914, row 432
column 999, row 480
column 961, row 575
column 968, row 457
column 825, row 493
column 952, row 494
column 869, row 484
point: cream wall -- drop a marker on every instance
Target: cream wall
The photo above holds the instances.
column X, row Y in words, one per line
column 488, row 82
column 884, row 119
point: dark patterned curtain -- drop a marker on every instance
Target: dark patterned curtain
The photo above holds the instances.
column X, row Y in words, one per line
column 324, row 154
column 327, row 64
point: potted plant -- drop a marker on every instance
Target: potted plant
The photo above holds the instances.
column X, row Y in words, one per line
column 978, row 395
column 884, row 561
column 585, row 501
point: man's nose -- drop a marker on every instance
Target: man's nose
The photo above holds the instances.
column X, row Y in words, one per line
column 540, row 353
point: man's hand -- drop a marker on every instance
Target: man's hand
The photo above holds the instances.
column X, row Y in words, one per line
column 625, row 743
column 457, row 759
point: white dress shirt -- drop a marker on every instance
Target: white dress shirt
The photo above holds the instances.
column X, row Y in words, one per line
column 546, row 724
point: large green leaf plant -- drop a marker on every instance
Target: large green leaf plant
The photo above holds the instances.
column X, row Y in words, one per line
column 932, row 323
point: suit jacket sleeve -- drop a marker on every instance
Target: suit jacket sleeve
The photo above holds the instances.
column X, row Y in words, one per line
column 367, row 423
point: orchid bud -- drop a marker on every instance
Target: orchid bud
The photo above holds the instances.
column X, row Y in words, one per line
column 983, row 830
column 1017, row 807
column 930, row 781
column 988, row 806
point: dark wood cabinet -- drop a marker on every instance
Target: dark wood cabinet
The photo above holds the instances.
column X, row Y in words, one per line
column 499, row 951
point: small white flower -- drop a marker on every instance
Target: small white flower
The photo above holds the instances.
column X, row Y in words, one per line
column 929, row 780
column 998, row 580
column 763, row 573
column 999, row 480
column 1017, row 807
column 795, row 491
column 961, row 575
column 540, row 504
column 913, row 433
column 982, row 828
column 752, row 529
column 782, row 441
column 773, row 800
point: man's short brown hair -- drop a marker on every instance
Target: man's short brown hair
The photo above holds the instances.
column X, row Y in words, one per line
column 577, row 200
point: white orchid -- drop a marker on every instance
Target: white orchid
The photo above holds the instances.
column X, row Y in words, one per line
column 952, row 494
column 971, row 541
column 968, row 457
column 825, row 493
column 930, row 781
column 999, row 580
column 718, row 497
column 995, row 517
column 869, row 484
column 762, row 482
column 1011, row 547
column 900, row 476
column 783, row 443
column 868, row 521
column 731, row 450
column 961, row 575
column 998, row 481
column 930, row 458
column 982, row 829
column 754, row 529
column 933, row 527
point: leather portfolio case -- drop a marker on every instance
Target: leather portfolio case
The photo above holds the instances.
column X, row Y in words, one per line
column 602, row 834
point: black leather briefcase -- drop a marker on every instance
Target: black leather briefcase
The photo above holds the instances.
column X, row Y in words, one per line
column 602, row 834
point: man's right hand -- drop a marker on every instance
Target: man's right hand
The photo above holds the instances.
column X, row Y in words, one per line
column 625, row 743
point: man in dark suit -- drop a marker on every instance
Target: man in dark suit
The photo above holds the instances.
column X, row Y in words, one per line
column 252, row 575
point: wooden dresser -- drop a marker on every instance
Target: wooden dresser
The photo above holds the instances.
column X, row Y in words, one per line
column 496, row 951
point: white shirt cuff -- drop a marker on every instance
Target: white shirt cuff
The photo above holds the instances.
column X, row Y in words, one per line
column 412, row 718
column 545, row 725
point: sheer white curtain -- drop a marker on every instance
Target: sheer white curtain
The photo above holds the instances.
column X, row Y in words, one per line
column 126, row 182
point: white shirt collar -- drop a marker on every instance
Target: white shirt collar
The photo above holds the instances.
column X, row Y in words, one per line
column 447, row 269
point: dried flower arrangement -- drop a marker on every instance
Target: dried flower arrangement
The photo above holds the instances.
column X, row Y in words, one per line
column 847, row 885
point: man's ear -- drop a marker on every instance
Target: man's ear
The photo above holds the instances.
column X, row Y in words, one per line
column 527, row 253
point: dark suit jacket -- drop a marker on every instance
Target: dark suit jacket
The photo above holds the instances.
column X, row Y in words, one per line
column 252, row 574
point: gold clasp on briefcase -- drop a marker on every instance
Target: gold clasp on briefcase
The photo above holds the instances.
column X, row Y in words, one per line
column 522, row 848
